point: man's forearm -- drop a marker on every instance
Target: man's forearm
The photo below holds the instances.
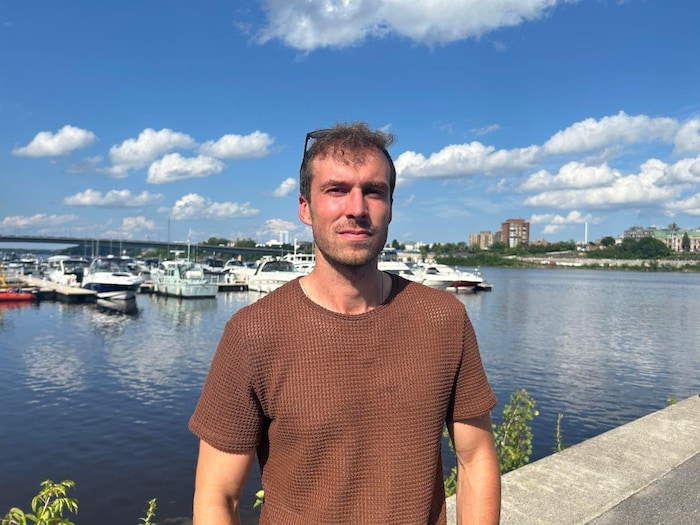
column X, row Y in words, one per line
column 479, row 495
column 221, row 514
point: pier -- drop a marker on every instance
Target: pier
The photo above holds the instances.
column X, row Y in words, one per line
column 51, row 290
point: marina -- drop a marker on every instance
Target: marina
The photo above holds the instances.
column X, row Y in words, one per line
column 113, row 282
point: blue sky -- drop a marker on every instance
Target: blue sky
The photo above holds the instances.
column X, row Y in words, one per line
column 179, row 119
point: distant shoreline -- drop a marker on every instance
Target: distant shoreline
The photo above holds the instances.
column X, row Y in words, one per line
column 582, row 263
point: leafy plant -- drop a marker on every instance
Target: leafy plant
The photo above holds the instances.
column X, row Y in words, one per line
column 51, row 503
column 514, row 436
column 259, row 498
column 560, row 445
column 150, row 513
column 48, row 506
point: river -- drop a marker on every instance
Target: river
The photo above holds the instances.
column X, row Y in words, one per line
column 104, row 400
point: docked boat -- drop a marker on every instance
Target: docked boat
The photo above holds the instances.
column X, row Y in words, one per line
column 389, row 262
column 303, row 262
column 271, row 274
column 468, row 281
column 112, row 274
column 236, row 271
column 11, row 294
column 120, row 301
column 442, row 276
column 182, row 278
column 67, row 271
column 16, row 295
column 213, row 265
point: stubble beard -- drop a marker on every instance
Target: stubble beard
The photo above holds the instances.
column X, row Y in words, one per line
column 351, row 255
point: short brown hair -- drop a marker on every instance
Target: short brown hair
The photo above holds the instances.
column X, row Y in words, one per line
column 347, row 143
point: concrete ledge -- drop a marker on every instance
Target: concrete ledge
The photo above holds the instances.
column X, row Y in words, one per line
column 589, row 479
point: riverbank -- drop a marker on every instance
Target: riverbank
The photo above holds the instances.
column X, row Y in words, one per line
column 668, row 265
column 642, row 472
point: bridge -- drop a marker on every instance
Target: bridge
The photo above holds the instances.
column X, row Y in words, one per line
column 91, row 247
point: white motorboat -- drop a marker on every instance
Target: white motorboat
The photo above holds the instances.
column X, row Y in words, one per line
column 469, row 281
column 121, row 301
column 182, row 278
column 111, row 274
column 236, row 271
column 271, row 274
column 303, row 262
column 66, row 270
column 213, row 265
column 439, row 276
column 389, row 262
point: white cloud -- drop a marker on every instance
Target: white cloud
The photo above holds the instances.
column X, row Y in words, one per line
column 194, row 206
column 256, row 145
column 39, row 220
column 287, row 187
column 591, row 134
column 571, row 175
column 63, row 142
column 690, row 205
column 308, row 25
column 556, row 223
column 112, row 199
column 274, row 227
column 463, row 160
column 485, row 130
column 640, row 189
column 683, row 171
column 688, row 137
column 150, row 144
column 86, row 165
column 174, row 167
column 138, row 223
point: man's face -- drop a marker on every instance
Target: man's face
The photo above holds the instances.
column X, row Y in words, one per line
column 350, row 209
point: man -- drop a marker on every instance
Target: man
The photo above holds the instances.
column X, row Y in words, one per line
column 341, row 381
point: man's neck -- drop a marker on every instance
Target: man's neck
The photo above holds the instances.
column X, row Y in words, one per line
column 352, row 291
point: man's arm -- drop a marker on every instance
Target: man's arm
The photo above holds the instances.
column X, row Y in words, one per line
column 478, row 474
column 218, row 485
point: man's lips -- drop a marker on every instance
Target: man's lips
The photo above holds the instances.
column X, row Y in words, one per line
column 356, row 233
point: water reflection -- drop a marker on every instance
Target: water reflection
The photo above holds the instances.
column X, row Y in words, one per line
column 53, row 367
column 588, row 344
column 183, row 312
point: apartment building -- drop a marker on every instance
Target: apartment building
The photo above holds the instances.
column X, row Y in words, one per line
column 515, row 232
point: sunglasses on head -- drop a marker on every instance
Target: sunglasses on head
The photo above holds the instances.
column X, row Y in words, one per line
column 313, row 135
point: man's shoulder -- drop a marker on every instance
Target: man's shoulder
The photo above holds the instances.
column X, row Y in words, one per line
column 413, row 293
column 272, row 303
column 426, row 292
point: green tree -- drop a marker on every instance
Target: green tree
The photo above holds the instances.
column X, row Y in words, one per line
column 607, row 241
column 685, row 243
column 245, row 243
column 216, row 241
column 650, row 248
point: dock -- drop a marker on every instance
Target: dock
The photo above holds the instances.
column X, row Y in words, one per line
column 233, row 286
column 51, row 290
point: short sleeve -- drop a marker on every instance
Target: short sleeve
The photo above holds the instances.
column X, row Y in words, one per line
column 228, row 415
column 472, row 395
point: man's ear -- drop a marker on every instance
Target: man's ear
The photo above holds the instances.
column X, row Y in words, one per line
column 304, row 211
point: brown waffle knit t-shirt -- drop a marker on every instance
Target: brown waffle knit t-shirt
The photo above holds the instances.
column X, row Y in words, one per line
column 346, row 411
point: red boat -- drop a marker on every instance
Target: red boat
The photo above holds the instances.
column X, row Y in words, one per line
column 17, row 295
